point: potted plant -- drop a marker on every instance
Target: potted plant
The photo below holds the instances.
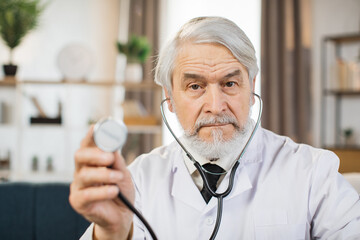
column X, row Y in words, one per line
column 348, row 134
column 17, row 18
column 136, row 50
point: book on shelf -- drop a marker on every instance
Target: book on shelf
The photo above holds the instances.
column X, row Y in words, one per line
column 346, row 75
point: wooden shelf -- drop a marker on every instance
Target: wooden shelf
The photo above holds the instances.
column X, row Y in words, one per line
column 110, row 83
column 352, row 37
column 146, row 129
column 8, row 81
column 342, row 92
column 140, row 86
column 343, row 148
column 83, row 83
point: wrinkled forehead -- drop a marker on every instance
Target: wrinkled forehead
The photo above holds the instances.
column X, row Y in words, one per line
column 208, row 53
column 206, row 57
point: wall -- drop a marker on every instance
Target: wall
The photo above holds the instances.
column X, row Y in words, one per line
column 333, row 17
column 246, row 14
column 90, row 23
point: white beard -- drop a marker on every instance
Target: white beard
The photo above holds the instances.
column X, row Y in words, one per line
column 219, row 147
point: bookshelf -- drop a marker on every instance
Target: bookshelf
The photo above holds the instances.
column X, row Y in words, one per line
column 81, row 102
column 340, row 84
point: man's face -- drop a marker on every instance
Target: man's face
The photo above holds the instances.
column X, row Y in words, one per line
column 209, row 82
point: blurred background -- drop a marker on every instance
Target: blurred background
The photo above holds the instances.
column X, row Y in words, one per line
column 68, row 63
column 75, row 67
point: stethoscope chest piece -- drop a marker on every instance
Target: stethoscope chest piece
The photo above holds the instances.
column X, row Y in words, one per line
column 110, row 134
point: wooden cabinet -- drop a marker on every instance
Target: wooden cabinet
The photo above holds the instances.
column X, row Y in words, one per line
column 349, row 159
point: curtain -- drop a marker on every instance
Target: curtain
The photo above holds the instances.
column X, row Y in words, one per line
column 286, row 68
column 143, row 21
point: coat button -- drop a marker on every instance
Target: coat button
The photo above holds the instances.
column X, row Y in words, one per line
column 209, row 221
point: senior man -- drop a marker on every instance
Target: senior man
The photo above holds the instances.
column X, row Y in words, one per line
column 281, row 190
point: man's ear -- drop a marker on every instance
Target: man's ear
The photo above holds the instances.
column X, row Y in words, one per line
column 170, row 106
column 253, row 90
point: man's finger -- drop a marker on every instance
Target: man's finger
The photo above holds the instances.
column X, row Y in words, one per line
column 90, row 176
column 81, row 199
column 119, row 161
column 88, row 140
column 93, row 156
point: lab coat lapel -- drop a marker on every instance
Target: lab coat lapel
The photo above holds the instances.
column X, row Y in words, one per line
column 184, row 188
column 242, row 181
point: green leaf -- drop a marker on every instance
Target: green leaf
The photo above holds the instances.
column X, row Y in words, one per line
column 18, row 18
column 137, row 49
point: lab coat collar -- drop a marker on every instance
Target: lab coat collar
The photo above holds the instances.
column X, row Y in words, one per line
column 254, row 152
column 242, row 183
column 185, row 190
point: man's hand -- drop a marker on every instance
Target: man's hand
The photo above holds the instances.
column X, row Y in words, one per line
column 93, row 193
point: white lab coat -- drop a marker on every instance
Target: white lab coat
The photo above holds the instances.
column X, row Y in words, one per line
column 282, row 191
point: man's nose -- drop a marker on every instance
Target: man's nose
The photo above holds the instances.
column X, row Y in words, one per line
column 214, row 100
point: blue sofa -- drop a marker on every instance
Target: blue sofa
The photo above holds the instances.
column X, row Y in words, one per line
column 38, row 211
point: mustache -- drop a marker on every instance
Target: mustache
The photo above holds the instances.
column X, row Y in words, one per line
column 223, row 118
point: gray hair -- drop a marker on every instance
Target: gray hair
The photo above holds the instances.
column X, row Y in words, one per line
column 206, row 30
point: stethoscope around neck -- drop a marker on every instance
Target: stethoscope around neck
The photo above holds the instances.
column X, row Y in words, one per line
column 219, row 196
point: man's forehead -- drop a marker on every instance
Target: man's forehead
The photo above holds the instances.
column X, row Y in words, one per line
column 209, row 54
column 228, row 74
column 194, row 47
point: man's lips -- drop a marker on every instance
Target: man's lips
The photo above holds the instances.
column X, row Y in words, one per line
column 216, row 125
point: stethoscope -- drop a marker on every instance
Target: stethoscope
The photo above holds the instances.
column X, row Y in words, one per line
column 110, row 135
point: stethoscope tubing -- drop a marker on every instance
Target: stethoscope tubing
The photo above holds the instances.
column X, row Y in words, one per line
column 219, row 196
column 197, row 164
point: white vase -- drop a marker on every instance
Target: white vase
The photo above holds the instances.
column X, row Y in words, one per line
column 133, row 72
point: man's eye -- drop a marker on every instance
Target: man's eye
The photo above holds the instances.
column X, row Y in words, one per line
column 229, row 84
column 195, row 87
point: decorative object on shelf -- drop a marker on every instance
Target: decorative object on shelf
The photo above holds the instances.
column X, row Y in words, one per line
column 17, row 19
column 354, row 73
column 75, row 62
column 42, row 118
column 49, row 164
column 349, row 137
column 136, row 50
column 136, row 114
column 347, row 75
column 133, row 72
column 5, row 167
column 38, row 107
column 3, row 113
column 45, row 120
column 35, row 163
